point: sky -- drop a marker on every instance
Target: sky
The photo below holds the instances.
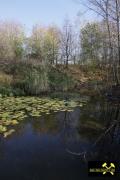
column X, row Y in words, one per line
column 44, row 12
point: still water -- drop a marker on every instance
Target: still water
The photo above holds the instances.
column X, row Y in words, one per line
column 58, row 146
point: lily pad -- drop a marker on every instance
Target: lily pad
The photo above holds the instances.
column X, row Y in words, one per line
column 13, row 110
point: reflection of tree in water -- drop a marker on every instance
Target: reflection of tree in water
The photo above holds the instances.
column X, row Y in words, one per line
column 107, row 145
column 91, row 121
column 46, row 124
column 70, row 134
column 67, row 133
column 2, row 148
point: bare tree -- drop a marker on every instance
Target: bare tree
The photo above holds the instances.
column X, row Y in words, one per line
column 66, row 42
column 109, row 10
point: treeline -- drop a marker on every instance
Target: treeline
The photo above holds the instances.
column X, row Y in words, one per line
column 95, row 43
column 27, row 62
column 50, row 44
column 105, row 39
column 31, row 62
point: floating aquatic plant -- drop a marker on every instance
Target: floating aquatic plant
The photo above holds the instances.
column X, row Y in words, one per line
column 2, row 129
column 13, row 110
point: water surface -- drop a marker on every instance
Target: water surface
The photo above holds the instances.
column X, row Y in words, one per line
column 58, row 145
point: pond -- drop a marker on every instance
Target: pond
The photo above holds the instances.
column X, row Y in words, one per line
column 45, row 138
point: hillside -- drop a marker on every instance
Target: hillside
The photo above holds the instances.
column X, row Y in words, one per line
column 87, row 80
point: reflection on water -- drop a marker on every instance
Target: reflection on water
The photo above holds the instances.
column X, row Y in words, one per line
column 58, row 146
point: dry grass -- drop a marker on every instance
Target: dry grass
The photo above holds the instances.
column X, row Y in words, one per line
column 5, row 79
column 83, row 74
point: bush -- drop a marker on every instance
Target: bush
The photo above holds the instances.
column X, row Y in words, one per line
column 9, row 91
column 59, row 81
column 36, row 81
column 5, row 79
column 32, row 79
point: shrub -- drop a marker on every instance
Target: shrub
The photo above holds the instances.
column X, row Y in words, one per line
column 60, row 81
column 5, row 79
column 31, row 78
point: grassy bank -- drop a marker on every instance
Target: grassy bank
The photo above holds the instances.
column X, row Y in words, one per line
column 28, row 78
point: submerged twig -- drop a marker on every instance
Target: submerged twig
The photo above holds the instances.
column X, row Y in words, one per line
column 99, row 138
column 102, row 135
column 74, row 153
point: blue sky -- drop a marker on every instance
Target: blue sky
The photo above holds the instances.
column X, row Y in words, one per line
column 45, row 12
